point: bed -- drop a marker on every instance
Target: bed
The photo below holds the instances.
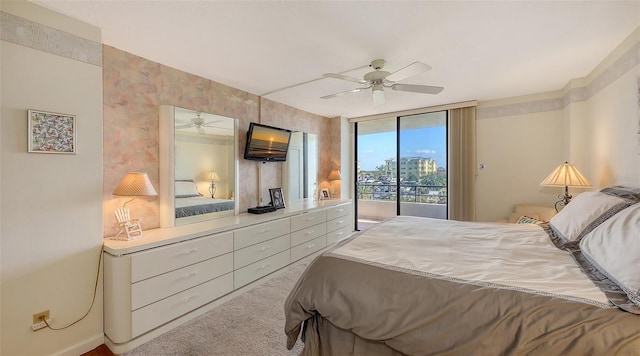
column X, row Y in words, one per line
column 419, row 286
column 189, row 201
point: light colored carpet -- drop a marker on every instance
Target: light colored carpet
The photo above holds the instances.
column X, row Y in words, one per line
column 247, row 325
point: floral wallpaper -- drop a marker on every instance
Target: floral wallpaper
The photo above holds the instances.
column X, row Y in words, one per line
column 134, row 87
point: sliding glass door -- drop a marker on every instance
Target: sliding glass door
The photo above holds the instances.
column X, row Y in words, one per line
column 376, row 185
column 423, row 165
column 401, row 167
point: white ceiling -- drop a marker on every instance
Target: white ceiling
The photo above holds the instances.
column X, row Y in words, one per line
column 478, row 50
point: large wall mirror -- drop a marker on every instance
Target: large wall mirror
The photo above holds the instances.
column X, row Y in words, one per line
column 198, row 166
column 300, row 171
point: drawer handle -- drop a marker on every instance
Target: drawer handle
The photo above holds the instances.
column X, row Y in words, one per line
column 310, row 246
column 310, row 232
column 340, row 210
column 194, row 250
column 340, row 222
column 264, row 266
column 340, row 233
column 265, row 248
column 188, row 299
column 265, row 231
column 310, row 218
column 192, row 274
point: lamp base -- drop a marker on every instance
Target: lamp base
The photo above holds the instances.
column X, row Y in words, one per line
column 212, row 190
column 564, row 199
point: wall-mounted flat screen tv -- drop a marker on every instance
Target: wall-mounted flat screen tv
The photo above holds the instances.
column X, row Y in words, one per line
column 267, row 143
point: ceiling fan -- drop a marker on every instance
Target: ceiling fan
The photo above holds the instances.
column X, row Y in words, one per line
column 197, row 122
column 379, row 79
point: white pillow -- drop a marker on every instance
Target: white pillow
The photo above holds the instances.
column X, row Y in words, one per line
column 584, row 213
column 614, row 249
column 186, row 189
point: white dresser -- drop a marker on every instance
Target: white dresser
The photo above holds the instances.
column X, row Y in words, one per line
column 172, row 275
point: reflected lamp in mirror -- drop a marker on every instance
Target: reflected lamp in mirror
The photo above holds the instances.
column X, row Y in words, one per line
column 566, row 175
column 132, row 185
column 213, row 177
column 334, row 175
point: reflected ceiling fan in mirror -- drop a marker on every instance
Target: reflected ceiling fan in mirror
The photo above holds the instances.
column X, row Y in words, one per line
column 197, row 122
column 379, row 79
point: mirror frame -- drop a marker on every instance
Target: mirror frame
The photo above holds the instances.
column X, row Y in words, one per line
column 167, row 168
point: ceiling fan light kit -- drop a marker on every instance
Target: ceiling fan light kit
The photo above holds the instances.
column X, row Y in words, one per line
column 378, row 94
column 379, row 79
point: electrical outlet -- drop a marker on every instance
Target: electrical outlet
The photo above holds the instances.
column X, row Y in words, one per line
column 38, row 320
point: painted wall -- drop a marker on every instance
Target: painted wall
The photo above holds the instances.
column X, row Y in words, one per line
column 518, row 152
column 51, row 206
column 611, row 148
column 594, row 123
column 134, row 87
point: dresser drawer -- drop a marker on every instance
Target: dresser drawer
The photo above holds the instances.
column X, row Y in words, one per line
column 308, row 248
column 168, row 258
column 335, row 224
column 338, row 211
column 259, row 233
column 152, row 289
column 156, row 314
column 308, row 219
column 250, row 273
column 340, row 234
column 308, row 234
column 253, row 253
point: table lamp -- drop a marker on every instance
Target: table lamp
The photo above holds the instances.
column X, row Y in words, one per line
column 132, row 185
column 566, row 175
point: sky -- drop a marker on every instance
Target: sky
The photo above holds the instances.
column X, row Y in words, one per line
column 374, row 149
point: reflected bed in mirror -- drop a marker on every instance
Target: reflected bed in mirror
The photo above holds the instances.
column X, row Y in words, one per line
column 198, row 166
column 190, row 202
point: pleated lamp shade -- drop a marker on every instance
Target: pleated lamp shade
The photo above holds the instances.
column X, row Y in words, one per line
column 213, row 176
column 566, row 175
column 135, row 184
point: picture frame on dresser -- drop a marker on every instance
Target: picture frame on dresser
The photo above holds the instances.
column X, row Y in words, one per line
column 277, row 198
column 324, row 194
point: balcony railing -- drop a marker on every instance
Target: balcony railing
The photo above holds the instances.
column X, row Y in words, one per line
column 410, row 193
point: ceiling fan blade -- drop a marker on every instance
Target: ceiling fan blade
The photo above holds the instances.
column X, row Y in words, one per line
column 211, row 122
column 184, row 126
column 425, row 89
column 345, row 77
column 412, row 69
column 342, row 93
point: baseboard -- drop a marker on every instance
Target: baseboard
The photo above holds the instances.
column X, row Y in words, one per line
column 82, row 347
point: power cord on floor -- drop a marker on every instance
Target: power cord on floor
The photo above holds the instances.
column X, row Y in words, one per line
column 93, row 300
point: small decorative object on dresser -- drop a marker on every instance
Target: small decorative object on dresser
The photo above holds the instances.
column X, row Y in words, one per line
column 324, row 194
column 277, row 198
column 51, row 133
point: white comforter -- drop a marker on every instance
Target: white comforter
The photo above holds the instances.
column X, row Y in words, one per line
column 511, row 256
